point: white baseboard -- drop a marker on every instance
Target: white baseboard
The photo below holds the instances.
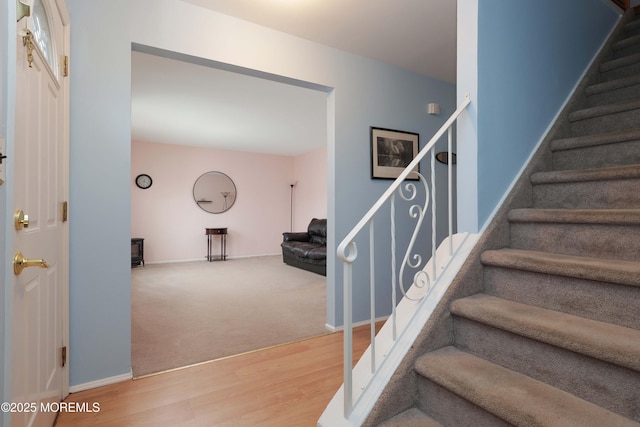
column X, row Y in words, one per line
column 100, row 382
column 172, row 261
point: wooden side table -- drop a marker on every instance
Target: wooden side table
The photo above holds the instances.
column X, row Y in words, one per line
column 211, row 232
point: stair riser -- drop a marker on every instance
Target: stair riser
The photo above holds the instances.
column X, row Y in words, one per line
column 613, row 387
column 620, row 51
column 632, row 31
column 451, row 409
column 618, row 73
column 610, row 386
column 627, row 93
column 411, row 417
column 624, row 120
column 591, row 240
column 575, row 296
column 598, row 156
column 611, row 194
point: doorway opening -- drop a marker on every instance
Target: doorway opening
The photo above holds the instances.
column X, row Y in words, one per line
column 269, row 135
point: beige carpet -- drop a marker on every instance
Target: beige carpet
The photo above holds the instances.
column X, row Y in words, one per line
column 185, row 313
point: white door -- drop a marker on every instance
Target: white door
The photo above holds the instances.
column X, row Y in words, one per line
column 40, row 290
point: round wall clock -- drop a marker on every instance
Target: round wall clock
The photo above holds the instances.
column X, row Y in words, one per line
column 144, row 181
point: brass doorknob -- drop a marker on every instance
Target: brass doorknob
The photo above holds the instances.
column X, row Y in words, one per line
column 20, row 263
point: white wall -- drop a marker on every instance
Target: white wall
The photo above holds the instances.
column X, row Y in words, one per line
column 362, row 93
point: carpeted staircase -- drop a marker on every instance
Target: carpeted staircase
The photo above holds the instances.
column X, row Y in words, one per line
column 550, row 336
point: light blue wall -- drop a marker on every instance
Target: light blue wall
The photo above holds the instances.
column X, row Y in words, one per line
column 531, row 54
column 99, row 217
column 519, row 61
column 388, row 98
column 363, row 93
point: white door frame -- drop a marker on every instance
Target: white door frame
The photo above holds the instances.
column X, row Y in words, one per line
column 7, row 127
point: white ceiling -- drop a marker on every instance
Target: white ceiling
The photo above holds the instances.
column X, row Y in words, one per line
column 184, row 103
column 417, row 35
column 176, row 102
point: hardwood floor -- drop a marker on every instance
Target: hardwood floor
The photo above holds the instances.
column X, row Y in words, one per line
column 288, row 385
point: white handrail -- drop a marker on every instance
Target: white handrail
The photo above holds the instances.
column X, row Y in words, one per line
column 347, row 252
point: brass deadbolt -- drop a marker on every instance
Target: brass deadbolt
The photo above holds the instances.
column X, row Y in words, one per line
column 20, row 220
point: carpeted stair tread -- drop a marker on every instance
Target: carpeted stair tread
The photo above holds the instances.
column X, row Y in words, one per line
column 605, row 270
column 595, row 140
column 584, row 175
column 612, row 85
column 620, row 62
column 626, row 43
column 568, row 319
column 604, row 341
column 632, row 26
column 511, row 396
column 604, row 110
column 413, row 417
column 576, row 216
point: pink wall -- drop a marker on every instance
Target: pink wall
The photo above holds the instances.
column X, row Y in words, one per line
column 172, row 224
column 310, row 191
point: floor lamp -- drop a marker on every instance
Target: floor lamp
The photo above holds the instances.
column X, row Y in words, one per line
column 292, row 184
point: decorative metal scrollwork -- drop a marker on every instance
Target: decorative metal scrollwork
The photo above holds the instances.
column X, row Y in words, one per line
column 27, row 41
column 421, row 279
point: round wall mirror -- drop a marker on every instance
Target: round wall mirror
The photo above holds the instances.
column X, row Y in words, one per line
column 214, row 192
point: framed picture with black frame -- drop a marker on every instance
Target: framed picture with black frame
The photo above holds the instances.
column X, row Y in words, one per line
column 392, row 151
